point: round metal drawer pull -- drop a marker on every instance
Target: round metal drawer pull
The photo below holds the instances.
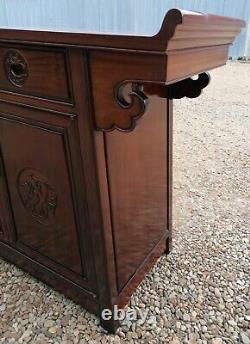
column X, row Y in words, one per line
column 16, row 68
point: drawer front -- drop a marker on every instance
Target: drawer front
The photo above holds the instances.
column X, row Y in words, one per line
column 34, row 72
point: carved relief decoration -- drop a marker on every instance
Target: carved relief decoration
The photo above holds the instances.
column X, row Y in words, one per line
column 117, row 86
column 190, row 88
column 135, row 106
column 38, row 197
column 16, row 68
column 121, row 83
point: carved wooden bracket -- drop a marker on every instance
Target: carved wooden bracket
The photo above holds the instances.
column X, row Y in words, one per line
column 131, row 110
column 117, row 87
column 190, row 88
column 121, row 83
column 134, row 108
column 129, row 104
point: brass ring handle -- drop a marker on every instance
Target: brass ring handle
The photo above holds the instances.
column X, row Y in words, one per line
column 16, row 68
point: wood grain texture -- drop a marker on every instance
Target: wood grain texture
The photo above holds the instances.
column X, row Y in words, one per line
column 141, row 16
column 125, row 294
column 56, row 280
column 170, row 129
column 86, row 209
column 187, row 25
column 138, row 196
column 46, row 73
column 108, row 72
column 190, row 88
column 6, row 216
column 41, row 193
column 179, row 66
column 163, row 58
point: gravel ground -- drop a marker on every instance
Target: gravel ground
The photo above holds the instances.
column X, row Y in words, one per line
column 197, row 294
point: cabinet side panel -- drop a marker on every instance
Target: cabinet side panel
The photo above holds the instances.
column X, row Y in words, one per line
column 137, row 177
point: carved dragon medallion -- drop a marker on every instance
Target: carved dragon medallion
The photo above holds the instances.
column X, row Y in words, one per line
column 38, row 197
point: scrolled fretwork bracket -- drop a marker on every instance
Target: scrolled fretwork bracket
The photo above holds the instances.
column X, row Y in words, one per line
column 130, row 100
column 132, row 103
column 129, row 104
column 123, row 83
column 118, row 81
column 190, row 88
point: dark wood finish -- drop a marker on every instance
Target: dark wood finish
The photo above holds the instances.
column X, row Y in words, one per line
column 6, row 220
column 141, row 271
column 169, row 143
column 163, row 59
column 35, row 72
column 29, row 101
column 84, row 208
column 190, row 88
column 109, row 113
column 138, row 196
column 57, row 280
column 180, row 29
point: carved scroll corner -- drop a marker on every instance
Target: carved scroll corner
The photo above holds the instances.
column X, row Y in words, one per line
column 128, row 108
column 190, row 87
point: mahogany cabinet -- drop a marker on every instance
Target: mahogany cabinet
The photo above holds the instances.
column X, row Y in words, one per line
column 86, row 149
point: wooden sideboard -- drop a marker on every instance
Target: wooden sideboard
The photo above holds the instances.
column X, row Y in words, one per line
column 86, row 149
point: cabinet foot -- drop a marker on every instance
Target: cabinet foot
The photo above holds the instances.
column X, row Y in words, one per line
column 110, row 325
column 168, row 245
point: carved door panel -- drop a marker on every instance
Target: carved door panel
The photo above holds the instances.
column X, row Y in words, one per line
column 41, row 181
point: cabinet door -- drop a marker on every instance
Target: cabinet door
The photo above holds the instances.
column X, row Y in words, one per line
column 45, row 188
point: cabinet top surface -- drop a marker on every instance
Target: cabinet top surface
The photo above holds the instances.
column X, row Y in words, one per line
column 180, row 29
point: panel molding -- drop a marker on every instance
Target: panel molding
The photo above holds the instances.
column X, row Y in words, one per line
column 67, row 136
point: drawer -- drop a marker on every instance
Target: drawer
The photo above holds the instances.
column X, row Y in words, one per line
column 34, row 72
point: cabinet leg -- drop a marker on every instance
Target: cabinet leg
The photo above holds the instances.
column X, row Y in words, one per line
column 110, row 325
column 169, row 108
column 168, row 245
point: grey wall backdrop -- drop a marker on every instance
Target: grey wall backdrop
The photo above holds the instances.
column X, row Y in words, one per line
column 142, row 16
